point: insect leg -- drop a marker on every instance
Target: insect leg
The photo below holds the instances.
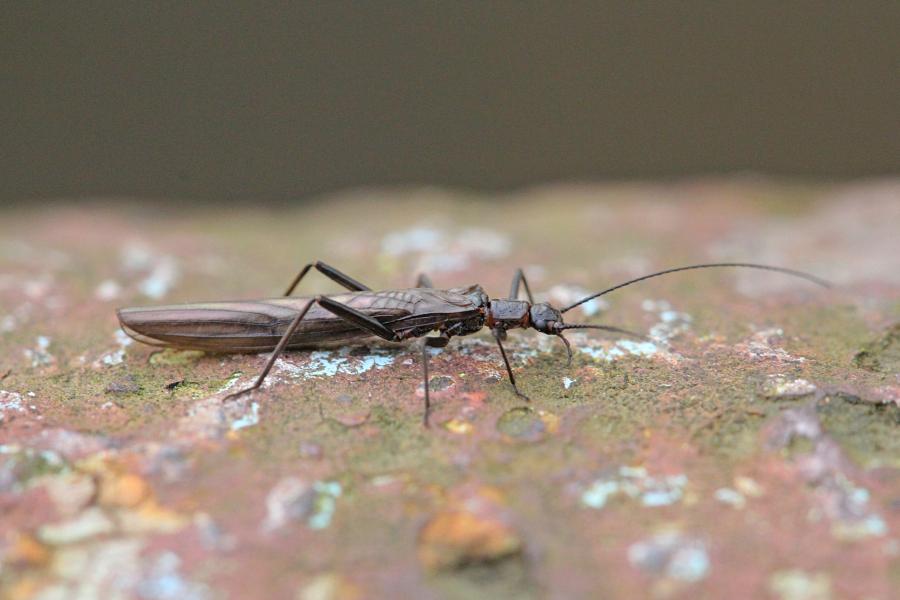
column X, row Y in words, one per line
column 425, row 379
column 519, row 277
column 512, row 378
column 329, row 272
column 365, row 322
column 275, row 353
column 424, row 281
column 430, row 342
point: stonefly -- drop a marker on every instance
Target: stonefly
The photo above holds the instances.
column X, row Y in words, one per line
column 275, row 325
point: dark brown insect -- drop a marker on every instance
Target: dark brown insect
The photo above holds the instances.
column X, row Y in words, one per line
column 278, row 324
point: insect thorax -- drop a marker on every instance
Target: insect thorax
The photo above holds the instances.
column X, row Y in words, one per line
column 508, row 314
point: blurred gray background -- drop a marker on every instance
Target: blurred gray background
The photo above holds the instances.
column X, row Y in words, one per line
column 250, row 101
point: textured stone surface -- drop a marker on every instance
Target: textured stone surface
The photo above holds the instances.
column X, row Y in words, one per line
column 749, row 449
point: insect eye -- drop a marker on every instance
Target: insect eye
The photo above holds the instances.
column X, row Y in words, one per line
column 539, row 325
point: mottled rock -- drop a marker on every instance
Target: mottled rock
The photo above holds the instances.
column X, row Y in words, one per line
column 183, row 476
column 310, row 450
column 125, row 385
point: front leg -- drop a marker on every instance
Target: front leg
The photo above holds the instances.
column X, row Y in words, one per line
column 518, row 278
column 430, row 342
column 499, row 334
column 424, row 281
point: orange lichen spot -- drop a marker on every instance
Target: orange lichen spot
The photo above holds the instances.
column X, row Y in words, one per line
column 123, row 490
column 458, row 426
column 550, row 420
column 27, row 551
column 24, row 588
column 455, row 538
column 150, row 516
column 472, row 528
column 330, row 586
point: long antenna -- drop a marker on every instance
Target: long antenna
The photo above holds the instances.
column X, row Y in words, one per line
column 799, row 274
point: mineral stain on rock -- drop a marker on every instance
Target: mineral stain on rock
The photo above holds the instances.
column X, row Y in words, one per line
column 439, row 383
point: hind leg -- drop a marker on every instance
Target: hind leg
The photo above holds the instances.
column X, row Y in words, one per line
column 342, row 311
column 329, row 272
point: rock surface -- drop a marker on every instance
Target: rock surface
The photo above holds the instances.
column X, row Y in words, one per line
column 747, row 448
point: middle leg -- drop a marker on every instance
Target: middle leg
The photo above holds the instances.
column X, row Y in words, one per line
column 498, row 334
column 424, row 281
column 518, row 278
column 429, row 342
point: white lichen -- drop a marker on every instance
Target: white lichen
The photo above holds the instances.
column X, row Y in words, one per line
column 620, row 349
column 327, row 363
column 796, row 584
column 563, row 295
column 164, row 581
column 779, row 386
column 730, row 497
column 671, row 322
column 230, row 382
column 161, row 270
column 325, row 503
column 11, row 401
column 107, row 290
column 293, row 499
column 40, row 355
column 438, row 250
column 761, row 346
column 117, row 356
column 636, row 483
column 671, row 555
column 161, row 278
column 248, row 419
